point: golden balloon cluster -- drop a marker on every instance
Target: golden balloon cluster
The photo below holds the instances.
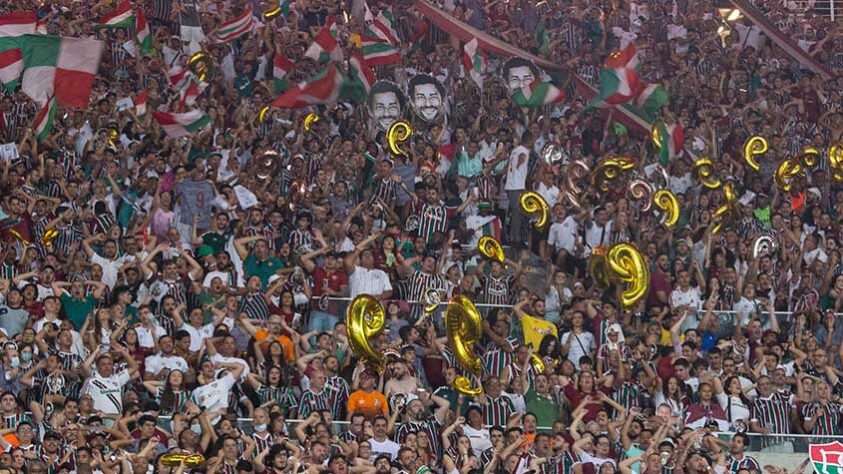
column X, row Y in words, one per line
column 463, row 325
column 610, row 170
column 621, row 263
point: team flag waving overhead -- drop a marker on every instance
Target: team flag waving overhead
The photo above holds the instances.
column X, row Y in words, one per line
column 377, row 51
column 474, row 62
column 626, row 57
column 650, row 100
column 62, row 66
column 12, row 27
column 44, row 120
column 182, row 125
column 140, row 104
column 537, row 94
column 670, row 139
column 235, row 28
column 120, row 17
column 281, row 66
column 142, row 35
column 382, row 26
column 325, row 47
column 617, row 86
column 321, row 89
column 361, row 73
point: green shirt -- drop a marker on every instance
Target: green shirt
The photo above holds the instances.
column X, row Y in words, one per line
column 77, row 310
column 215, row 240
column 262, row 269
column 543, row 406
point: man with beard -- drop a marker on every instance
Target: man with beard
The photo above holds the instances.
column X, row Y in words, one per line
column 428, row 97
column 103, row 384
column 386, row 102
column 415, row 419
column 159, row 365
column 109, row 261
column 660, row 286
column 401, row 381
column 13, row 317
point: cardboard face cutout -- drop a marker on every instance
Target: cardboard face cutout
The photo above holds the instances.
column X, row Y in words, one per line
column 519, row 73
column 428, row 97
column 386, row 103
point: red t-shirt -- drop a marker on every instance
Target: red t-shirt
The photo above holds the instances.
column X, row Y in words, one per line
column 321, row 279
column 659, row 281
column 576, row 397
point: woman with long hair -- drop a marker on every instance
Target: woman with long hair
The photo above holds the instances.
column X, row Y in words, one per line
column 275, row 389
column 172, row 395
column 672, row 393
column 732, row 400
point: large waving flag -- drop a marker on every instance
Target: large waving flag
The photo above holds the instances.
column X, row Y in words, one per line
column 626, row 57
column 181, row 125
column 378, row 52
column 321, row 89
column 12, row 27
column 140, row 103
column 671, row 138
column 382, row 26
column 236, row 27
column 474, row 62
column 325, row 47
column 44, row 120
column 281, row 66
column 62, row 66
column 617, row 86
column 120, row 17
column 142, row 35
column 650, row 99
column 537, row 94
column 361, row 72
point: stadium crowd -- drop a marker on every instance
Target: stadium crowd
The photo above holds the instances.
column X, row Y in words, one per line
column 189, row 295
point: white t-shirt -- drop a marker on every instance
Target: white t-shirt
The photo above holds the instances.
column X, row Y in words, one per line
column 581, row 344
column 156, row 362
column 596, row 235
column 369, row 282
column 480, row 439
column 233, row 360
column 146, row 337
column 107, row 391
column 516, row 176
column 197, row 334
column 563, row 235
column 213, row 396
column 550, row 194
column 109, row 269
column 386, row 446
column 691, row 297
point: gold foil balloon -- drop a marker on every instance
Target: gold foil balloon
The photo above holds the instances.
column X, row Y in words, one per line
column 365, row 321
column 577, row 170
column 655, row 136
column 533, row 204
column 266, row 164
column 666, row 202
column 628, row 266
column 728, row 211
column 641, row 190
column 809, row 157
column 704, row 170
column 262, row 113
column 538, row 363
column 756, row 145
column 176, row 459
column 271, row 9
column 396, row 135
column 309, row 121
column 835, row 161
column 463, row 385
column 597, row 267
column 785, row 173
column 200, row 64
column 609, row 170
column 463, row 325
column 551, row 154
column 49, row 236
column 17, row 235
column 490, row 248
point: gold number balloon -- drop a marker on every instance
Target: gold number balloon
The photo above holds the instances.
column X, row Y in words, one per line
column 577, row 170
column 597, row 267
column 809, row 157
column 785, row 173
column 666, row 202
column 176, row 459
column 704, row 169
column 629, row 267
column 756, row 145
column 538, row 363
column 727, row 211
column 200, row 64
column 49, row 236
column 490, row 248
column 835, row 161
column 398, row 133
column 365, row 321
column 609, row 170
column 463, row 325
column 641, row 190
column 309, row 121
column 532, row 203
column 655, row 136
column 271, row 9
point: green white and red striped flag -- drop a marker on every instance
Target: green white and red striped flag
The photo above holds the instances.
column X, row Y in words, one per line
column 381, row 26
column 377, row 51
column 650, row 100
column 537, row 94
column 617, row 86
column 140, row 104
column 361, row 72
column 182, row 125
column 178, row 76
column 671, row 140
column 12, row 27
column 44, row 120
column 626, row 57
column 281, row 66
column 325, row 47
column 120, row 17
column 474, row 62
column 239, row 26
column 142, row 35
column 321, row 89
column 60, row 66
column 192, row 89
